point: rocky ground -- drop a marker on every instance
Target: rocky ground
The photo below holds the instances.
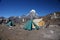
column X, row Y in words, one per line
column 17, row 33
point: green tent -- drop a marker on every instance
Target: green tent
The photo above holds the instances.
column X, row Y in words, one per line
column 28, row 25
column 10, row 23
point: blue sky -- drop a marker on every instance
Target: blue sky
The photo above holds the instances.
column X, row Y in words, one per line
column 19, row 7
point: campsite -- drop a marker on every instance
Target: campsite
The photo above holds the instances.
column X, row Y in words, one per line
column 26, row 30
column 29, row 19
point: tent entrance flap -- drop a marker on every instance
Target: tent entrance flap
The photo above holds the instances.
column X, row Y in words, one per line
column 36, row 26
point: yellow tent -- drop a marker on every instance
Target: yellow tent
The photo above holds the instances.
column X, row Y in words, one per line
column 41, row 23
column 38, row 22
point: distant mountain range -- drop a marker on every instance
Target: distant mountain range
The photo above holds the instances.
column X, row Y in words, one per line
column 33, row 15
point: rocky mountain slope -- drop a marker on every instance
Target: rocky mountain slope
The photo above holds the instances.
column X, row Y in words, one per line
column 53, row 18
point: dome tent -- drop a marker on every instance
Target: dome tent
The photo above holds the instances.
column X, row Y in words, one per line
column 28, row 25
column 10, row 23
